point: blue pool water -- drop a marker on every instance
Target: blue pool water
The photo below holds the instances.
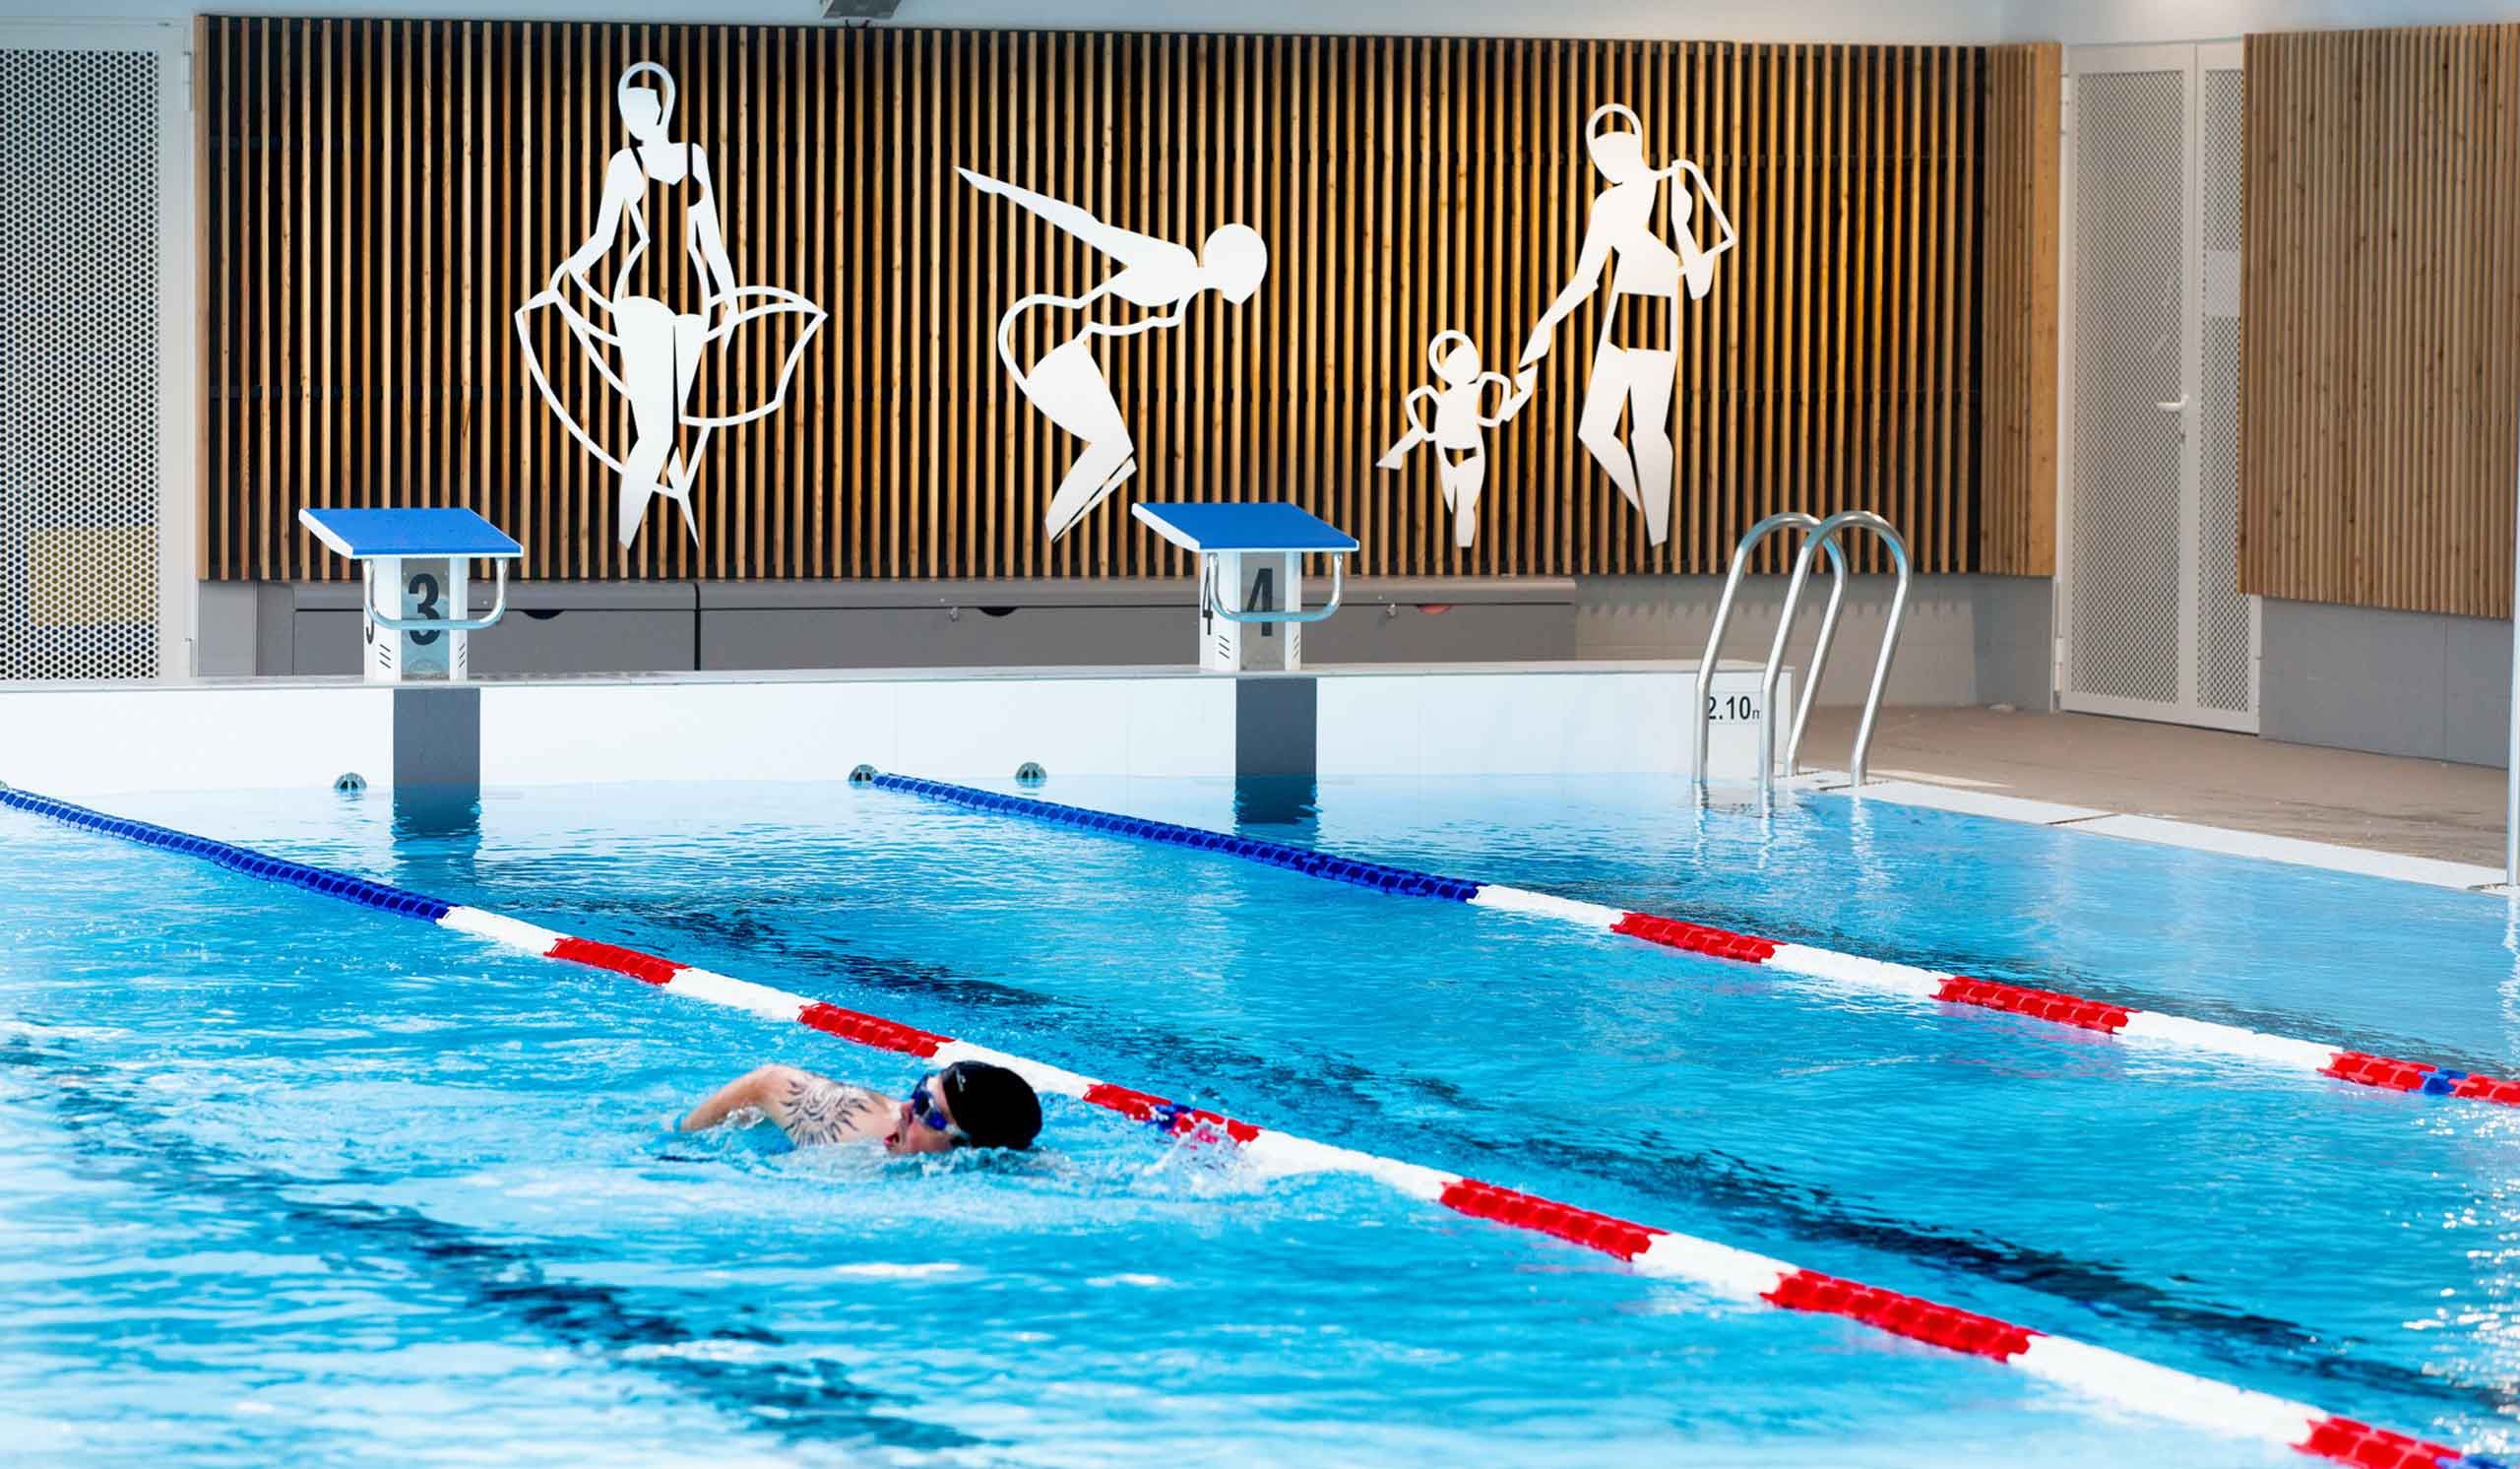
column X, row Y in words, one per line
column 282, row 1180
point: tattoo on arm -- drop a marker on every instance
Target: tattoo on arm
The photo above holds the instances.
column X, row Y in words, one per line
column 817, row 1110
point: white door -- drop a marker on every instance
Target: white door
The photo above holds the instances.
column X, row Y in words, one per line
column 2154, row 625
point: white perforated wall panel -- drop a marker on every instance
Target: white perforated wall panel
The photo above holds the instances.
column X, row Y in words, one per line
column 78, row 362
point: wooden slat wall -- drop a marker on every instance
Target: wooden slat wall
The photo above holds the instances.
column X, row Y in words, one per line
column 2018, row 348
column 378, row 196
column 2380, row 318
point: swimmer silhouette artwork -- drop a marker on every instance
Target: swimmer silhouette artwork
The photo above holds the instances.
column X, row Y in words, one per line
column 1459, row 431
column 1636, row 359
column 651, row 335
column 1067, row 384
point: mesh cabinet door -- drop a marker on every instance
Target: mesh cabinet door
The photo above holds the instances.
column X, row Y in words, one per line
column 2155, row 624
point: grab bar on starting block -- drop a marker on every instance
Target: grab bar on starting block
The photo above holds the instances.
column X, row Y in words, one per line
column 1208, row 595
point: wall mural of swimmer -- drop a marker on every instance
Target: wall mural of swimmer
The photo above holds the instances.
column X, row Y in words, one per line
column 665, row 319
column 1636, row 359
column 1067, row 384
column 1459, row 431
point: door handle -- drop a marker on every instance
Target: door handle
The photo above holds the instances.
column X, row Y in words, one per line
column 2179, row 407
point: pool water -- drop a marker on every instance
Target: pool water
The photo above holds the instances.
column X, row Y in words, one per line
column 285, row 1181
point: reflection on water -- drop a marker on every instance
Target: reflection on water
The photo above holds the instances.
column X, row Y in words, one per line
column 436, row 812
column 1276, row 800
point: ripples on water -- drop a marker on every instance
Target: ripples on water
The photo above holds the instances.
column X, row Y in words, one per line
column 280, row 1180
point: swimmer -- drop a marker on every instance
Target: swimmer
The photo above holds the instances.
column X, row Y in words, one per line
column 969, row 1104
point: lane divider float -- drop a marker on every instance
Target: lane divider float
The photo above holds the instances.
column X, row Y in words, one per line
column 1853, row 972
column 2097, row 1372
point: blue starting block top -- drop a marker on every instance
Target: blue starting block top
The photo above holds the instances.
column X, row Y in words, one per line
column 362, row 533
column 1263, row 529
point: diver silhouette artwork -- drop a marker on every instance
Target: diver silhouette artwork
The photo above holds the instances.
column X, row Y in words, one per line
column 1067, row 384
column 1636, row 358
column 650, row 333
column 1460, row 428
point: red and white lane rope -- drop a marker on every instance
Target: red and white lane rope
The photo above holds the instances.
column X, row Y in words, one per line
column 1846, row 972
column 2108, row 1376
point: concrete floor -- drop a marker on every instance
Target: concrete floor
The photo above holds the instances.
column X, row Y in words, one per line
column 2383, row 803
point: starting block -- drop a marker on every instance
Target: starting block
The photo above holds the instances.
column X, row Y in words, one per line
column 421, row 559
column 1234, row 596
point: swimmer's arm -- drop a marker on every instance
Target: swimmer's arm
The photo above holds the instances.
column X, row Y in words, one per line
column 809, row 1109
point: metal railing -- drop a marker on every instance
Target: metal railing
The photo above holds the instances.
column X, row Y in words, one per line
column 1790, row 520
column 1821, row 535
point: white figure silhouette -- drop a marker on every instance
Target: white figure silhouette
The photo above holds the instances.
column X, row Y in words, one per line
column 1067, row 384
column 647, row 335
column 1460, row 431
column 1636, row 359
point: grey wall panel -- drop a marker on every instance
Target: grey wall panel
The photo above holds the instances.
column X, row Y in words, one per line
column 1938, row 649
column 2016, row 641
column 587, row 641
column 550, row 627
column 224, row 629
column 942, row 638
column 843, row 626
column 276, row 629
column 1442, row 633
column 2355, row 679
column 2478, row 696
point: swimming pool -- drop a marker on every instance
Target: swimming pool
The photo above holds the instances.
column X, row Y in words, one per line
column 287, row 1178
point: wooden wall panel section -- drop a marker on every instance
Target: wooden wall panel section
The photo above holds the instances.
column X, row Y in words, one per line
column 2380, row 318
column 378, row 197
column 2018, row 339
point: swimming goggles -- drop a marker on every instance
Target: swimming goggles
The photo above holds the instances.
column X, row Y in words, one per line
column 923, row 1110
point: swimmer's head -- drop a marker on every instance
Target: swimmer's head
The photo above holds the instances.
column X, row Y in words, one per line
column 1234, row 260
column 1616, row 140
column 1456, row 364
column 645, row 95
column 969, row 1104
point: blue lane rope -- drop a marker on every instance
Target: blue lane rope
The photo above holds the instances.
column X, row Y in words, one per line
column 1305, row 859
column 331, row 884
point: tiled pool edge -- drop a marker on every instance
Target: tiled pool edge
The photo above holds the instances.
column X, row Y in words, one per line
column 2164, row 831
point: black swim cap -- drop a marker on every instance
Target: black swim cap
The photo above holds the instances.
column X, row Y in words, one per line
column 994, row 1107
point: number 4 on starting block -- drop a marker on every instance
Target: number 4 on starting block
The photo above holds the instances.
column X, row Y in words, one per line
column 1235, row 597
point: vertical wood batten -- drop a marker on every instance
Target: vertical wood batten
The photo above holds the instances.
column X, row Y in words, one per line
column 2380, row 394
column 380, row 196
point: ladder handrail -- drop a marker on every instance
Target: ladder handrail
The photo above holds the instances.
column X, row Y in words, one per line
column 1781, row 520
column 1827, row 536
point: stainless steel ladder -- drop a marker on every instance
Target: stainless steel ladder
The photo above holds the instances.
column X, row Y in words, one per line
column 1820, row 534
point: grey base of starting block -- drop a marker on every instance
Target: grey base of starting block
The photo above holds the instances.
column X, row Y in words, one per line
column 1277, row 729
column 437, row 740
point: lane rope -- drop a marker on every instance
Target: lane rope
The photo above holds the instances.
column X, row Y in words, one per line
column 1837, row 971
column 2096, row 1372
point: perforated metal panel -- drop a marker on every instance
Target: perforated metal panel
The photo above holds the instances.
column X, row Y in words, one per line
column 79, row 363
column 2129, row 237
column 2225, row 623
column 2156, row 625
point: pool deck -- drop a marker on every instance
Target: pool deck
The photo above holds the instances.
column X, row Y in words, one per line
column 2121, row 774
